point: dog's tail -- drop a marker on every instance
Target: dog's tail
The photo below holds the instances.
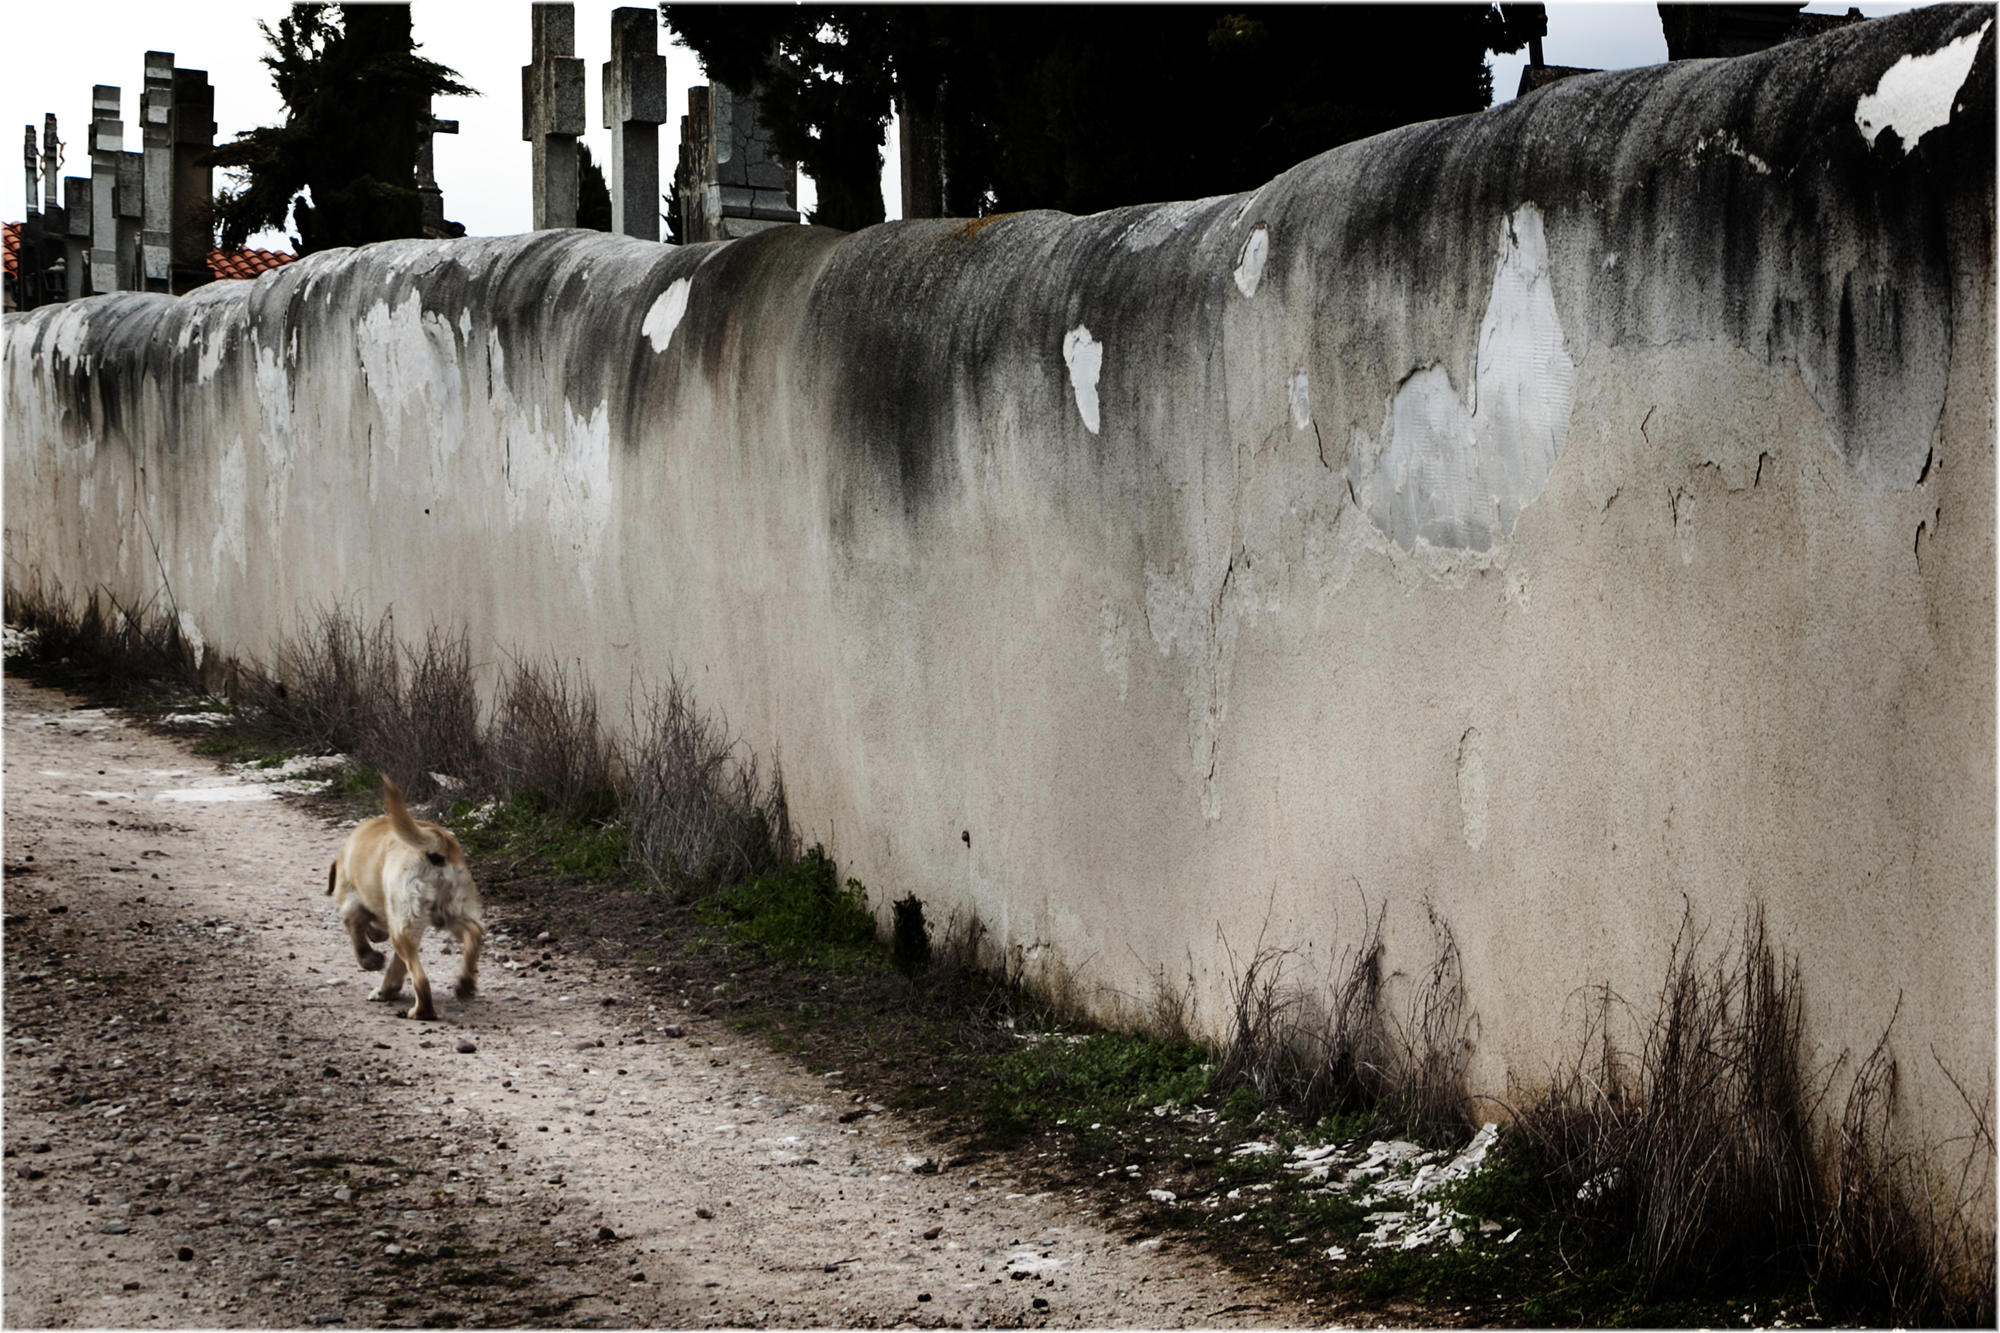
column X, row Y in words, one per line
column 332, row 874
column 400, row 823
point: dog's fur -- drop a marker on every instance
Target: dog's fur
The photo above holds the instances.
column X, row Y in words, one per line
column 395, row 876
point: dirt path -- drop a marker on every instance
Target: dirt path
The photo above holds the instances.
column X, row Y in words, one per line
column 207, row 1125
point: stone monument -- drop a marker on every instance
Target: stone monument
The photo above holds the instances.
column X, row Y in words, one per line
column 635, row 105
column 552, row 113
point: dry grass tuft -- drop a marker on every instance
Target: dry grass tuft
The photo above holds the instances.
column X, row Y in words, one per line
column 697, row 806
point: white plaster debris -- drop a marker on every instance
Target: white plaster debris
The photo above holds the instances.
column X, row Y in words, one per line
column 13, row 640
column 1299, row 392
column 665, row 315
column 1084, row 356
column 1250, row 262
column 195, row 719
column 1916, row 93
column 1398, row 1173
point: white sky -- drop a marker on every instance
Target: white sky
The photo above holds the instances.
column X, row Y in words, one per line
column 59, row 51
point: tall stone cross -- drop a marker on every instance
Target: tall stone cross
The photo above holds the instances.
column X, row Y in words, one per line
column 107, row 140
column 156, row 137
column 552, row 113
column 635, row 105
column 427, row 186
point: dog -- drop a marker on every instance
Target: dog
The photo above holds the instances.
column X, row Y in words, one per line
column 394, row 876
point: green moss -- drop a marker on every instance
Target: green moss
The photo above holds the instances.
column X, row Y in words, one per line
column 802, row 914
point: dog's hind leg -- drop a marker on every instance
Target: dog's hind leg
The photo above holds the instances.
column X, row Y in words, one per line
column 362, row 927
column 405, row 942
column 470, row 936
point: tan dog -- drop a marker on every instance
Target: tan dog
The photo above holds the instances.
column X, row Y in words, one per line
column 395, row 876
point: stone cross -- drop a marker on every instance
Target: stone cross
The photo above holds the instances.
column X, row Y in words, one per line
column 191, row 216
column 156, row 135
column 635, row 105
column 427, row 186
column 552, row 113
column 107, row 140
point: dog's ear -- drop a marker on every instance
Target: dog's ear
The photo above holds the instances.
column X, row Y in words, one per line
column 435, row 858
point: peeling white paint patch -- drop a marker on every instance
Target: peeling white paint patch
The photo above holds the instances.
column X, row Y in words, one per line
column 465, row 323
column 1458, row 477
column 1084, row 356
column 665, row 315
column 1916, row 93
column 1250, row 261
column 1300, row 393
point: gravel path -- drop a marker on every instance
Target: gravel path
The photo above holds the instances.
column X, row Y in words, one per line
column 207, row 1125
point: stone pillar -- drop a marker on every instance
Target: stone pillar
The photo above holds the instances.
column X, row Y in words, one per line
column 635, row 105
column 28, row 260
column 51, row 160
column 427, row 186
column 76, row 241
column 552, row 113
column 729, row 183
column 191, row 216
column 129, row 204
column 32, row 156
column 107, row 140
column 156, row 136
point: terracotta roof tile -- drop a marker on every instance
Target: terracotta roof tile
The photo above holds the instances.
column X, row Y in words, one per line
column 246, row 263
column 13, row 240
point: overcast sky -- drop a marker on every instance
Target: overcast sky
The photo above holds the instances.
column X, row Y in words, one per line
column 58, row 51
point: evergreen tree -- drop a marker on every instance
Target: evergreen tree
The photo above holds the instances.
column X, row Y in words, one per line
column 343, row 165
column 593, row 196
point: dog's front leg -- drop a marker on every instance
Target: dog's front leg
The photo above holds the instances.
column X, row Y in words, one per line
column 405, row 943
column 392, row 981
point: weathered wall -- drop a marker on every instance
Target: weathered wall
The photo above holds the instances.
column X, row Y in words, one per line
column 1558, row 515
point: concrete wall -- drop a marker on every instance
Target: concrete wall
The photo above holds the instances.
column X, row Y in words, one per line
column 1558, row 515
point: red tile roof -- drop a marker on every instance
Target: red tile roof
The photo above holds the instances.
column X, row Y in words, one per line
column 246, row 263
column 222, row 263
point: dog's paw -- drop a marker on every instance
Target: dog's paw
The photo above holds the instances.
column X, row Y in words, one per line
column 384, row 997
column 466, row 988
column 421, row 1014
column 371, row 961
